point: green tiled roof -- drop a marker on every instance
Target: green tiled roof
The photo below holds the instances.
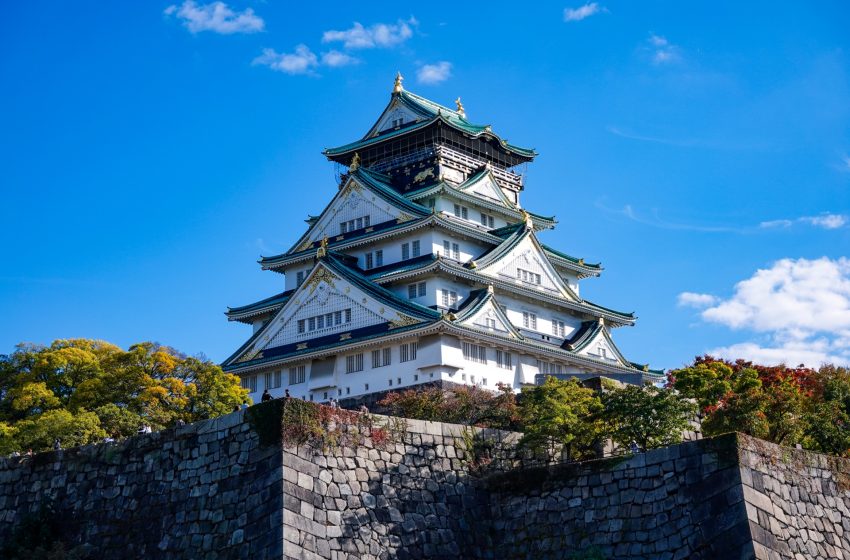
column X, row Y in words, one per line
column 263, row 304
column 571, row 258
column 430, row 112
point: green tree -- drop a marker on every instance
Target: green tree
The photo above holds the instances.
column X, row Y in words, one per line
column 87, row 388
column 72, row 430
column 649, row 416
column 561, row 415
column 704, row 382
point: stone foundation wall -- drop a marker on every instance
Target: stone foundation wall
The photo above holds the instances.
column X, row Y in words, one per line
column 212, row 490
column 203, row 490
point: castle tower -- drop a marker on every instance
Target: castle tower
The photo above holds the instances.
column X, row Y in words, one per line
column 424, row 267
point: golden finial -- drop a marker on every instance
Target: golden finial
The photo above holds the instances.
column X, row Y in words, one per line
column 460, row 110
column 323, row 248
column 581, row 262
column 451, row 316
column 355, row 163
column 397, row 87
column 473, row 265
column 646, row 367
column 526, row 217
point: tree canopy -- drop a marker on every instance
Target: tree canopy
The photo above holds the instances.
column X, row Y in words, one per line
column 80, row 391
column 782, row 404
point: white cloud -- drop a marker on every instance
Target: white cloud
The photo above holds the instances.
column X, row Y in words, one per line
column 302, row 61
column 799, row 307
column 846, row 160
column 378, row 35
column 663, row 52
column 336, row 59
column 691, row 299
column 578, row 14
column 825, row 221
column 216, row 17
column 434, row 73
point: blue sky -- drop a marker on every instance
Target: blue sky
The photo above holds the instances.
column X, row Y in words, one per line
column 150, row 153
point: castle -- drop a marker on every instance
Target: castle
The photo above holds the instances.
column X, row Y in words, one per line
column 425, row 268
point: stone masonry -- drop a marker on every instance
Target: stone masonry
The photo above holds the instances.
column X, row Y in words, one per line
column 212, row 490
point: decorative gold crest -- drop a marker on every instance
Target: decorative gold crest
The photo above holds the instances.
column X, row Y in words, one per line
column 402, row 321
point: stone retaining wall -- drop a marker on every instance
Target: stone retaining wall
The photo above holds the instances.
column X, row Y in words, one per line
column 211, row 490
column 202, row 490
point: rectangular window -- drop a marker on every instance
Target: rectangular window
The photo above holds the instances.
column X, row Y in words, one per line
column 546, row 367
column 354, row 363
column 415, row 248
column 457, row 210
column 379, row 258
column 490, row 323
column 320, row 322
column 369, row 263
column 300, row 326
column 390, row 382
column 324, row 321
column 455, row 251
column 343, row 228
column 529, row 320
column 504, row 359
column 487, row 220
column 297, row 375
column 299, row 278
column 449, row 298
column 447, row 248
column 337, row 317
column 405, row 251
column 464, row 213
column 366, row 221
column 348, row 315
column 272, row 379
column 527, row 276
column 558, row 327
column 359, row 223
column 416, row 290
column 366, row 387
column 381, row 358
column 407, row 352
column 474, row 353
column 311, row 324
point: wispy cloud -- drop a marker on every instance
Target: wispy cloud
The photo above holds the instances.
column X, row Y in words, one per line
column 798, row 309
column 301, row 61
column 434, row 73
column 692, row 299
column 582, row 12
column 654, row 219
column 825, row 221
column 377, row 35
column 663, row 52
column 336, row 59
column 683, row 142
column 216, row 17
column 846, row 161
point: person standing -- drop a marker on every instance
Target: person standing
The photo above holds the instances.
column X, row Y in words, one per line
column 266, row 396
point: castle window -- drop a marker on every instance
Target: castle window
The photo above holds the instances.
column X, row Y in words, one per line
column 299, row 278
column 407, row 352
column 324, row 321
column 250, row 383
column 451, row 250
column 381, row 358
column 354, row 363
column 405, row 251
column 529, row 320
column 297, row 375
column 546, row 367
column 356, row 223
column 490, row 323
column 461, row 211
column 504, row 359
column 527, row 276
column 416, row 290
column 603, row 352
column 449, row 298
column 273, row 379
column 415, row 247
column 487, row 220
column 474, row 353
column 558, row 327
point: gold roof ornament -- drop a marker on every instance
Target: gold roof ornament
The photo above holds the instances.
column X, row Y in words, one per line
column 451, row 316
column 581, row 262
column 355, row 163
column 397, row 87
column 646, row 367
column 323, row 248
column 490, row 289
column 460, row 109
column 526, row 217
column 473, row 265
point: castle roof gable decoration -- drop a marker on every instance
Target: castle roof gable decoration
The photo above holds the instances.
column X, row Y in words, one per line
column 424, row 267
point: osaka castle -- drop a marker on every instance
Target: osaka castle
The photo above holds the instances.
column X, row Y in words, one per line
column 425, row 267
